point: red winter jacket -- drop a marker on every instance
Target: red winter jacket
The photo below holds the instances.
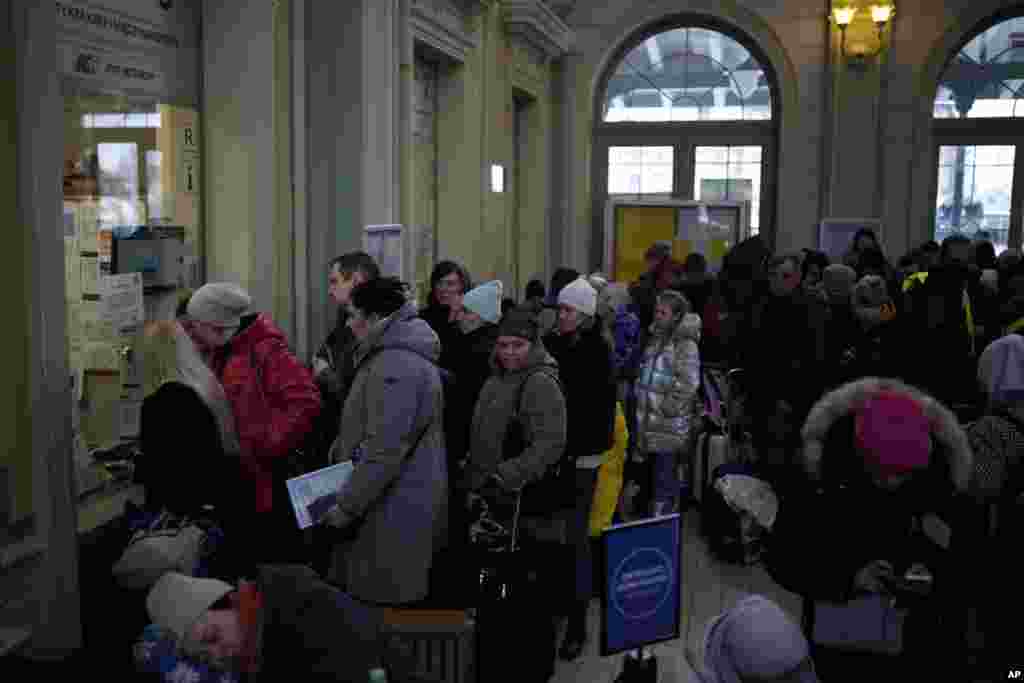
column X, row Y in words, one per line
column 273, row 397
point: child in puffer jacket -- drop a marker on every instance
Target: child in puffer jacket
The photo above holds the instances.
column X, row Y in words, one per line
column 667, row 394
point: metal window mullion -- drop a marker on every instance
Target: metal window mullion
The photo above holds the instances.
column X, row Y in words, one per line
column 1016, row 197
column 686, row 153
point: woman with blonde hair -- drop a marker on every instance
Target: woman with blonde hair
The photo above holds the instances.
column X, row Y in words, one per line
column 187, row 431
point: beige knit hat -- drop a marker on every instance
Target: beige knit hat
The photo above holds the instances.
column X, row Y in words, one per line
column 219, row 303
column 177, row 601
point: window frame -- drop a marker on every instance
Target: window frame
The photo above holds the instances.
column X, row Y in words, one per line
column 685, row 136
column 1002, row 130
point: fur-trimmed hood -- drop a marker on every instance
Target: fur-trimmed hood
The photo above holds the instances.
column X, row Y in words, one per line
column 845, row 400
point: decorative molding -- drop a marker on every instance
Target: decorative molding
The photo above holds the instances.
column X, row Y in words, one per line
column 444, row 25
column 529, row 66
column 537, row 24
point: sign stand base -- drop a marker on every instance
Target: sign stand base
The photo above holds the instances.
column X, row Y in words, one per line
column 639, row 666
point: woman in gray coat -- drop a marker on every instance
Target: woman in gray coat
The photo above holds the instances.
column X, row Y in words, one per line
column 393, row 508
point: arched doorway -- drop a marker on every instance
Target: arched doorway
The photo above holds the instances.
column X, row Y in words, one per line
column 978, row 131
column 688, row 109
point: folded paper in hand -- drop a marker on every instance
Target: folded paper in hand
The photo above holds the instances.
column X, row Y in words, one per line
column 314, row 493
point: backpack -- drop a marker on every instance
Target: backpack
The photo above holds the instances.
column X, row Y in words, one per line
column 729, row 534
column 626, row 330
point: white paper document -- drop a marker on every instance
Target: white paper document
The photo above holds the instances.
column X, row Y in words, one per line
column 310, row 487
column 121, row 299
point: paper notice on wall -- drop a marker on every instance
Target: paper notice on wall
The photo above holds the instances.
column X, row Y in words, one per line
column 88, row 228
column 121, row 300
column 90, row 279
column 131, row 413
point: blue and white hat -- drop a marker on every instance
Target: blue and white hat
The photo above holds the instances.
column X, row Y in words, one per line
column 485, row 301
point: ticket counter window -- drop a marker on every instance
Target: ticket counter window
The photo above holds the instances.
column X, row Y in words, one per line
column 131, row 168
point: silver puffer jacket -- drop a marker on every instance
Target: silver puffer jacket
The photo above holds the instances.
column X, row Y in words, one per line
column 667, row 388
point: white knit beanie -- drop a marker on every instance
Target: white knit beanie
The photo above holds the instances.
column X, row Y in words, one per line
column 485, row 301
column 219, row 303
column 177, row 601
column 580, row 295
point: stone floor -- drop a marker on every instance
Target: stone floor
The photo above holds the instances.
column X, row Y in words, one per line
column 709, row 587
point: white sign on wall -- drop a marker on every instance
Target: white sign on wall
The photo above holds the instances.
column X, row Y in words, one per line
column 141, row 22
column 105, row 68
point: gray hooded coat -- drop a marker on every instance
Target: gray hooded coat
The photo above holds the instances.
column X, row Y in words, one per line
column 397, row 498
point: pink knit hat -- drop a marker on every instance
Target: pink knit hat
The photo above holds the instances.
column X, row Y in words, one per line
column 893, row 434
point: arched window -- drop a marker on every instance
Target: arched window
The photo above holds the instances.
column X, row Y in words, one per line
column 977, row 126
column 688, row 110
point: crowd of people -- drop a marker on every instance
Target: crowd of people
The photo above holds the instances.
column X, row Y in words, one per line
column 876, row 393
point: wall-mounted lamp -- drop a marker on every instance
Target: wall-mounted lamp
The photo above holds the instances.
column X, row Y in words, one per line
column 881, row 14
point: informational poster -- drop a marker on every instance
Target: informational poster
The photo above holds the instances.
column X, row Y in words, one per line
column 636, row 229
column 709, row 230
column 640, row 602
column 121, row 301
column 385, row 244
column 835, row 235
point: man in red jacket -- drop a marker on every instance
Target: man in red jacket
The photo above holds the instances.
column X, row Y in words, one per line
column 275, row 401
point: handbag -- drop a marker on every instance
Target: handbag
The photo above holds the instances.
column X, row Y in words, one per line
column 869, row 624
column 168, row 544
column 555, row 490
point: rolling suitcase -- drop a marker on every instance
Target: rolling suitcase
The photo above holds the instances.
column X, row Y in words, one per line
column 515, row 624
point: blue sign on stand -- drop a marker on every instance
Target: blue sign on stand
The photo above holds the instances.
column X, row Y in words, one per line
column 640, row 601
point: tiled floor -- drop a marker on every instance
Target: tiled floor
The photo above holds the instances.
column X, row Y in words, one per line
column 709, row 587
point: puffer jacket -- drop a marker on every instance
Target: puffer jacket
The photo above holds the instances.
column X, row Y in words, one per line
column 273, row 397
column 667, row 388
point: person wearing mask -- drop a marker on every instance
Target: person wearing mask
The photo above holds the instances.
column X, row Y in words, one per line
column 275, row 403
column 667, row 393
column 548, row 316
column 755, row 641
column 332, row 362
column 585, row 365
column 188, row 439
column 878, row 455
column 391, row 513
column 449, row 281
column 284, row 624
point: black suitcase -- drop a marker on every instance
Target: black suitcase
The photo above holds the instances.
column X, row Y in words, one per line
column 515, row 620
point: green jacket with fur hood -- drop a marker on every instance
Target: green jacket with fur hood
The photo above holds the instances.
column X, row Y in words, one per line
column 542, row 412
